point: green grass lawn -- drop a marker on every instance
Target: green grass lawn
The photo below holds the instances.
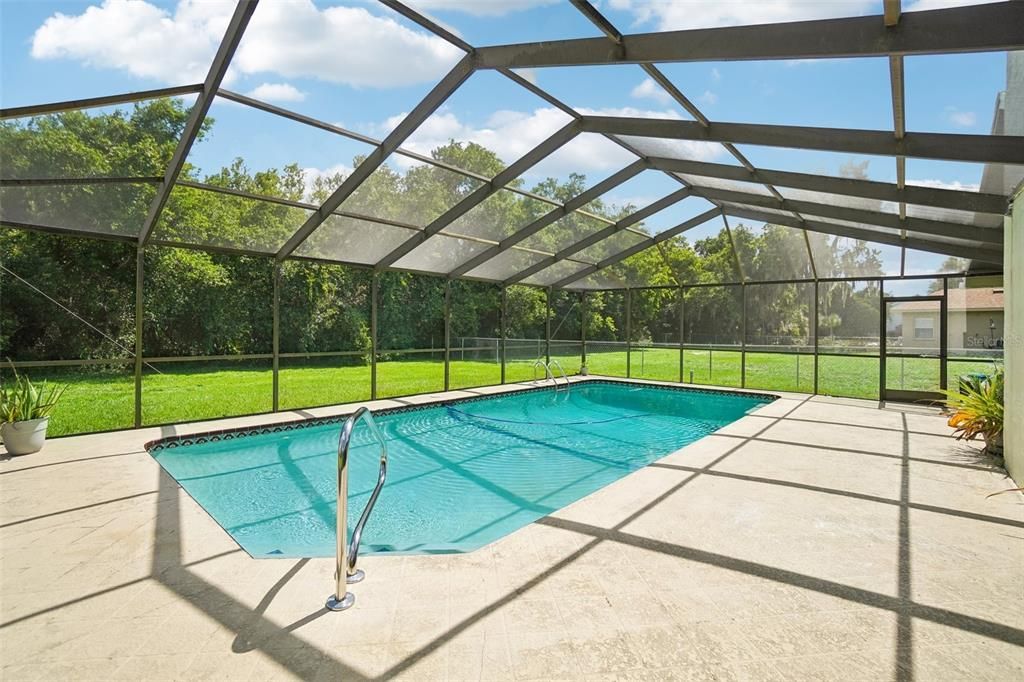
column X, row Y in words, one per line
column 99, row 400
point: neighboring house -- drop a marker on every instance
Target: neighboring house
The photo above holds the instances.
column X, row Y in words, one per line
column 974, row 320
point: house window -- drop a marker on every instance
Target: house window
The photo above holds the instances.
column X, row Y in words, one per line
column 924, row 328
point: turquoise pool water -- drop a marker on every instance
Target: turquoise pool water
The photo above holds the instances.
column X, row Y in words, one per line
column 460, row 475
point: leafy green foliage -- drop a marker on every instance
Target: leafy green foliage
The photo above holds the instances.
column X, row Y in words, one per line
column 21, row 400
column 199, row 302
column 978, row 406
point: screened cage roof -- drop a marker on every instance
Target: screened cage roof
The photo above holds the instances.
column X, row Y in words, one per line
column 524, row 142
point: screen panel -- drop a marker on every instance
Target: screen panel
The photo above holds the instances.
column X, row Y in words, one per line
column 99, row 142
column 206, row 304
column 499, row 216
column 175, row 392
column 506, row 264
column 209, row 218
column 486, row 124
column 812, row 92
column 71, row 299
column 684, row 150
column 655, row 331
column 849, row 317
column 836, row 256
column 324, row 334
column 249, row 149
column 556, row 272
column 411, row 194
column 712, row 335
column 475, row 331
column 526, row 308
column 289, row 56
column 780, row 328
column 606, row 333
column 410, row 339
column 975, row 326
column 771, row 252
column 108, row 208
column 441, row 254
column 225, row 309
column 566, row 321
column 498, row 23
column 352, row 240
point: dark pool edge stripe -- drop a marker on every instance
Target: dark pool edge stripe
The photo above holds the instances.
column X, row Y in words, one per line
column 171, row 442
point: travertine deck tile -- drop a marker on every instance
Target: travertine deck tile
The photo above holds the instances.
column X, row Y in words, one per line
column 816, row 538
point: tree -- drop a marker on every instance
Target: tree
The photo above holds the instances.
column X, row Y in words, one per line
column 200, row 302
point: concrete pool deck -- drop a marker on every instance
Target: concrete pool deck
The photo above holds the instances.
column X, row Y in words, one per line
column 816, row 538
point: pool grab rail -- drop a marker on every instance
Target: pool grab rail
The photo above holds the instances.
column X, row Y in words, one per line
column 548, row 374
column 345, row 571
column 565, row 376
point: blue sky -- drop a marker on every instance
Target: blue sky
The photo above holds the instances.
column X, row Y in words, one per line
column 362, row 66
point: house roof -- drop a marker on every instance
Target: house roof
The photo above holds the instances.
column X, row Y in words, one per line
column 980, row 298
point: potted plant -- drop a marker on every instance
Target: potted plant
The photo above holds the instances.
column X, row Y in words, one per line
column 978, row 410
column 25, row 413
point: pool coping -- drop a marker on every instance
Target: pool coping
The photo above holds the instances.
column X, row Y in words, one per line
column 181, row 440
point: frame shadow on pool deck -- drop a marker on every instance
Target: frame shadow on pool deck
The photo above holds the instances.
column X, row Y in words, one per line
column 836, row 538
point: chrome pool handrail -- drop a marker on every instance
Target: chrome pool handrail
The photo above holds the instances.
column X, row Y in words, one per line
column 547, row 370
column 556, row 363
column 345, row 571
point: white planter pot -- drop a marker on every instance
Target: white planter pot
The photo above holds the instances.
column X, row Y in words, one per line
column 24, row 438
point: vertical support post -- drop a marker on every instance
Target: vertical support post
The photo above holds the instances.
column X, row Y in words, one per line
column 743, row 336
column 374, row 295
column 682, row 331
column 583, row 330
column 547, row 325
column 447, row 332
column 882, row 339
column 943, row 335
column 277, row 335
column 814, row 317
column 629, row 332
column 502, row 324
column 139, row 265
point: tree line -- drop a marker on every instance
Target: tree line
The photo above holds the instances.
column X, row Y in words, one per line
column 208, row 302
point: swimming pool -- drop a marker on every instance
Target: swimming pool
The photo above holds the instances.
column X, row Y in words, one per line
column 461, row 474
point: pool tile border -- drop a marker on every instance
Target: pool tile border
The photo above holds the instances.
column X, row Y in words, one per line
column 171, row 442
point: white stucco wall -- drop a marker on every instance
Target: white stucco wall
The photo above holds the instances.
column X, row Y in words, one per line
column 1013, row 255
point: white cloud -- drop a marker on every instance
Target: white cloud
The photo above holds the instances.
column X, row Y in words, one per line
column 709, row 98
column 630, row 112
column 648, row 89
column 509, row 134
column 921, row 5
column 341, row 45
column 311, row 175
column 692, row 150
column 942, row 184
column 962, row 119
column 668, row 15
column 295, row 39
column 137, row 37
column 529, row 75
column 480, row 8
column 277, row 92
column 716, row 75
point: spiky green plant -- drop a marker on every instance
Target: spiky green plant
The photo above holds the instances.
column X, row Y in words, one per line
column 21, row 400
column 978, row 407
